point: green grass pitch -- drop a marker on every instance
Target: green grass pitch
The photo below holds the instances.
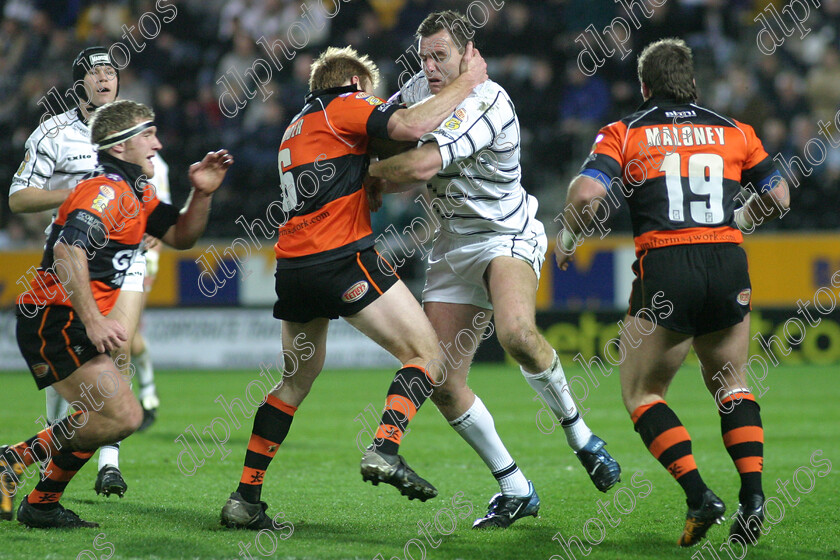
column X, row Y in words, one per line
column 315, row 481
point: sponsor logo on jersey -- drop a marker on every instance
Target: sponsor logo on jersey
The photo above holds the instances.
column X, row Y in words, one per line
column 744, row 297
column 122, row 259
column 355, row 292
column 40, row 370
column 371, row 99
column 80, row 156
column 113, row 176
column 461, row 114
column 680, row 114
column 106, row 195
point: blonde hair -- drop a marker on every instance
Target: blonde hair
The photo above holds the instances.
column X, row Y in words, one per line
column 117, row 116
column 335, row 66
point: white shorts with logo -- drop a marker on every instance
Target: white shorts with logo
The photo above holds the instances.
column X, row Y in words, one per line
column 456, row 265
column 133, row 280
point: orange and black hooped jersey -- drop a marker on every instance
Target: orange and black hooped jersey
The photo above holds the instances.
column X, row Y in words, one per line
column 107, row 217
column 322, row 159
column 680, row 167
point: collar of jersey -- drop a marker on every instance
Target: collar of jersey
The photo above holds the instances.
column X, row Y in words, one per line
column 661, row 102
column 331, row 91
column 129, row 171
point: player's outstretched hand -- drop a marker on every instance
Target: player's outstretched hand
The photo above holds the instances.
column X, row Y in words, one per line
column 473, row 64
column 106, row 334
column 207, row 175
column 562, row 257
column 149, row 242
column 374, row 187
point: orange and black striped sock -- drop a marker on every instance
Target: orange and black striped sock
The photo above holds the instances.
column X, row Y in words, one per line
column 44, row 445
column 61, row 469
column 743, row 436
column 668, row 441
column 271, row 426
column 409, row 390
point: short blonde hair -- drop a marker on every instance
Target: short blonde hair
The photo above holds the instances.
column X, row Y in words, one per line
column 116, row 116
column 335, row 66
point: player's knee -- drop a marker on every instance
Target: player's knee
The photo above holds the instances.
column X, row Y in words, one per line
column 130, row 421
column 520, row 341
column 443, row 396
column 138, row 345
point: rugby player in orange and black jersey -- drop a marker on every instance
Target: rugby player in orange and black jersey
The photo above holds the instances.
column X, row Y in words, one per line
column 323, row 161
column 680, row 167
column 106, row 215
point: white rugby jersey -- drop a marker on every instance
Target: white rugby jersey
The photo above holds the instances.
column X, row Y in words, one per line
column 478, row 188
column 59, row 154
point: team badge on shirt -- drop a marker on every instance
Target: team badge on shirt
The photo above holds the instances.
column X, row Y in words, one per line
column 106, row 195
column 454, row 123
column 22, row 165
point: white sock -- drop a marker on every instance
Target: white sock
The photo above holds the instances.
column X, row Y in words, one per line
column 109, row 455
column 552, row 386
column 145, row 374
column 477, row 428
column 57, row 407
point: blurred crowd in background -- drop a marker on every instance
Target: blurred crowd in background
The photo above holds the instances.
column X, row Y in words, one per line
column 529, row 45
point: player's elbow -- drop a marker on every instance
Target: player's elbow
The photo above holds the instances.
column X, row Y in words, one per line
column 17, row 204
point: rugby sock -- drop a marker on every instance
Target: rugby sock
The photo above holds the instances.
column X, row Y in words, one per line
column 145, row 374
column 271, row 426
column 44, row 445
column 61, row 469
column 57, row 407
column 668, row 441
column 408, row 391
column 743, row 437
column 477, row 428
column 552, row 386
column 109, row 455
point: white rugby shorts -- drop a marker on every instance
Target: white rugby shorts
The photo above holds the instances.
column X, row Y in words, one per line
column 456, row 265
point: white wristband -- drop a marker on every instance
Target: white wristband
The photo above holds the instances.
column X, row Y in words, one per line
column 568, row 241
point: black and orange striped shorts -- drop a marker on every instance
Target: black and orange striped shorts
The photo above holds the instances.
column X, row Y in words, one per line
column 338, row 288
column 53, row 343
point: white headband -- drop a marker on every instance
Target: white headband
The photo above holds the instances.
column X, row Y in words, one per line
column 119, row 137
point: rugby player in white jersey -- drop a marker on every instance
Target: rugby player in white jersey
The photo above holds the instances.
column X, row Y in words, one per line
column 486, row 260
column 58, row 155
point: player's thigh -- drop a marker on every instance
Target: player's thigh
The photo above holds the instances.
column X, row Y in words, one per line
column 127, row 310
column 650, row 366
column 98, row 386
column 460, row 329
column 513, row 291
column 723, row 355
column 396, row 322
column 304, row 352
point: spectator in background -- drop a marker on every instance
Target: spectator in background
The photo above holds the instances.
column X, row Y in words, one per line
column 789, row 99
column 823, row 85
column 584, row 103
